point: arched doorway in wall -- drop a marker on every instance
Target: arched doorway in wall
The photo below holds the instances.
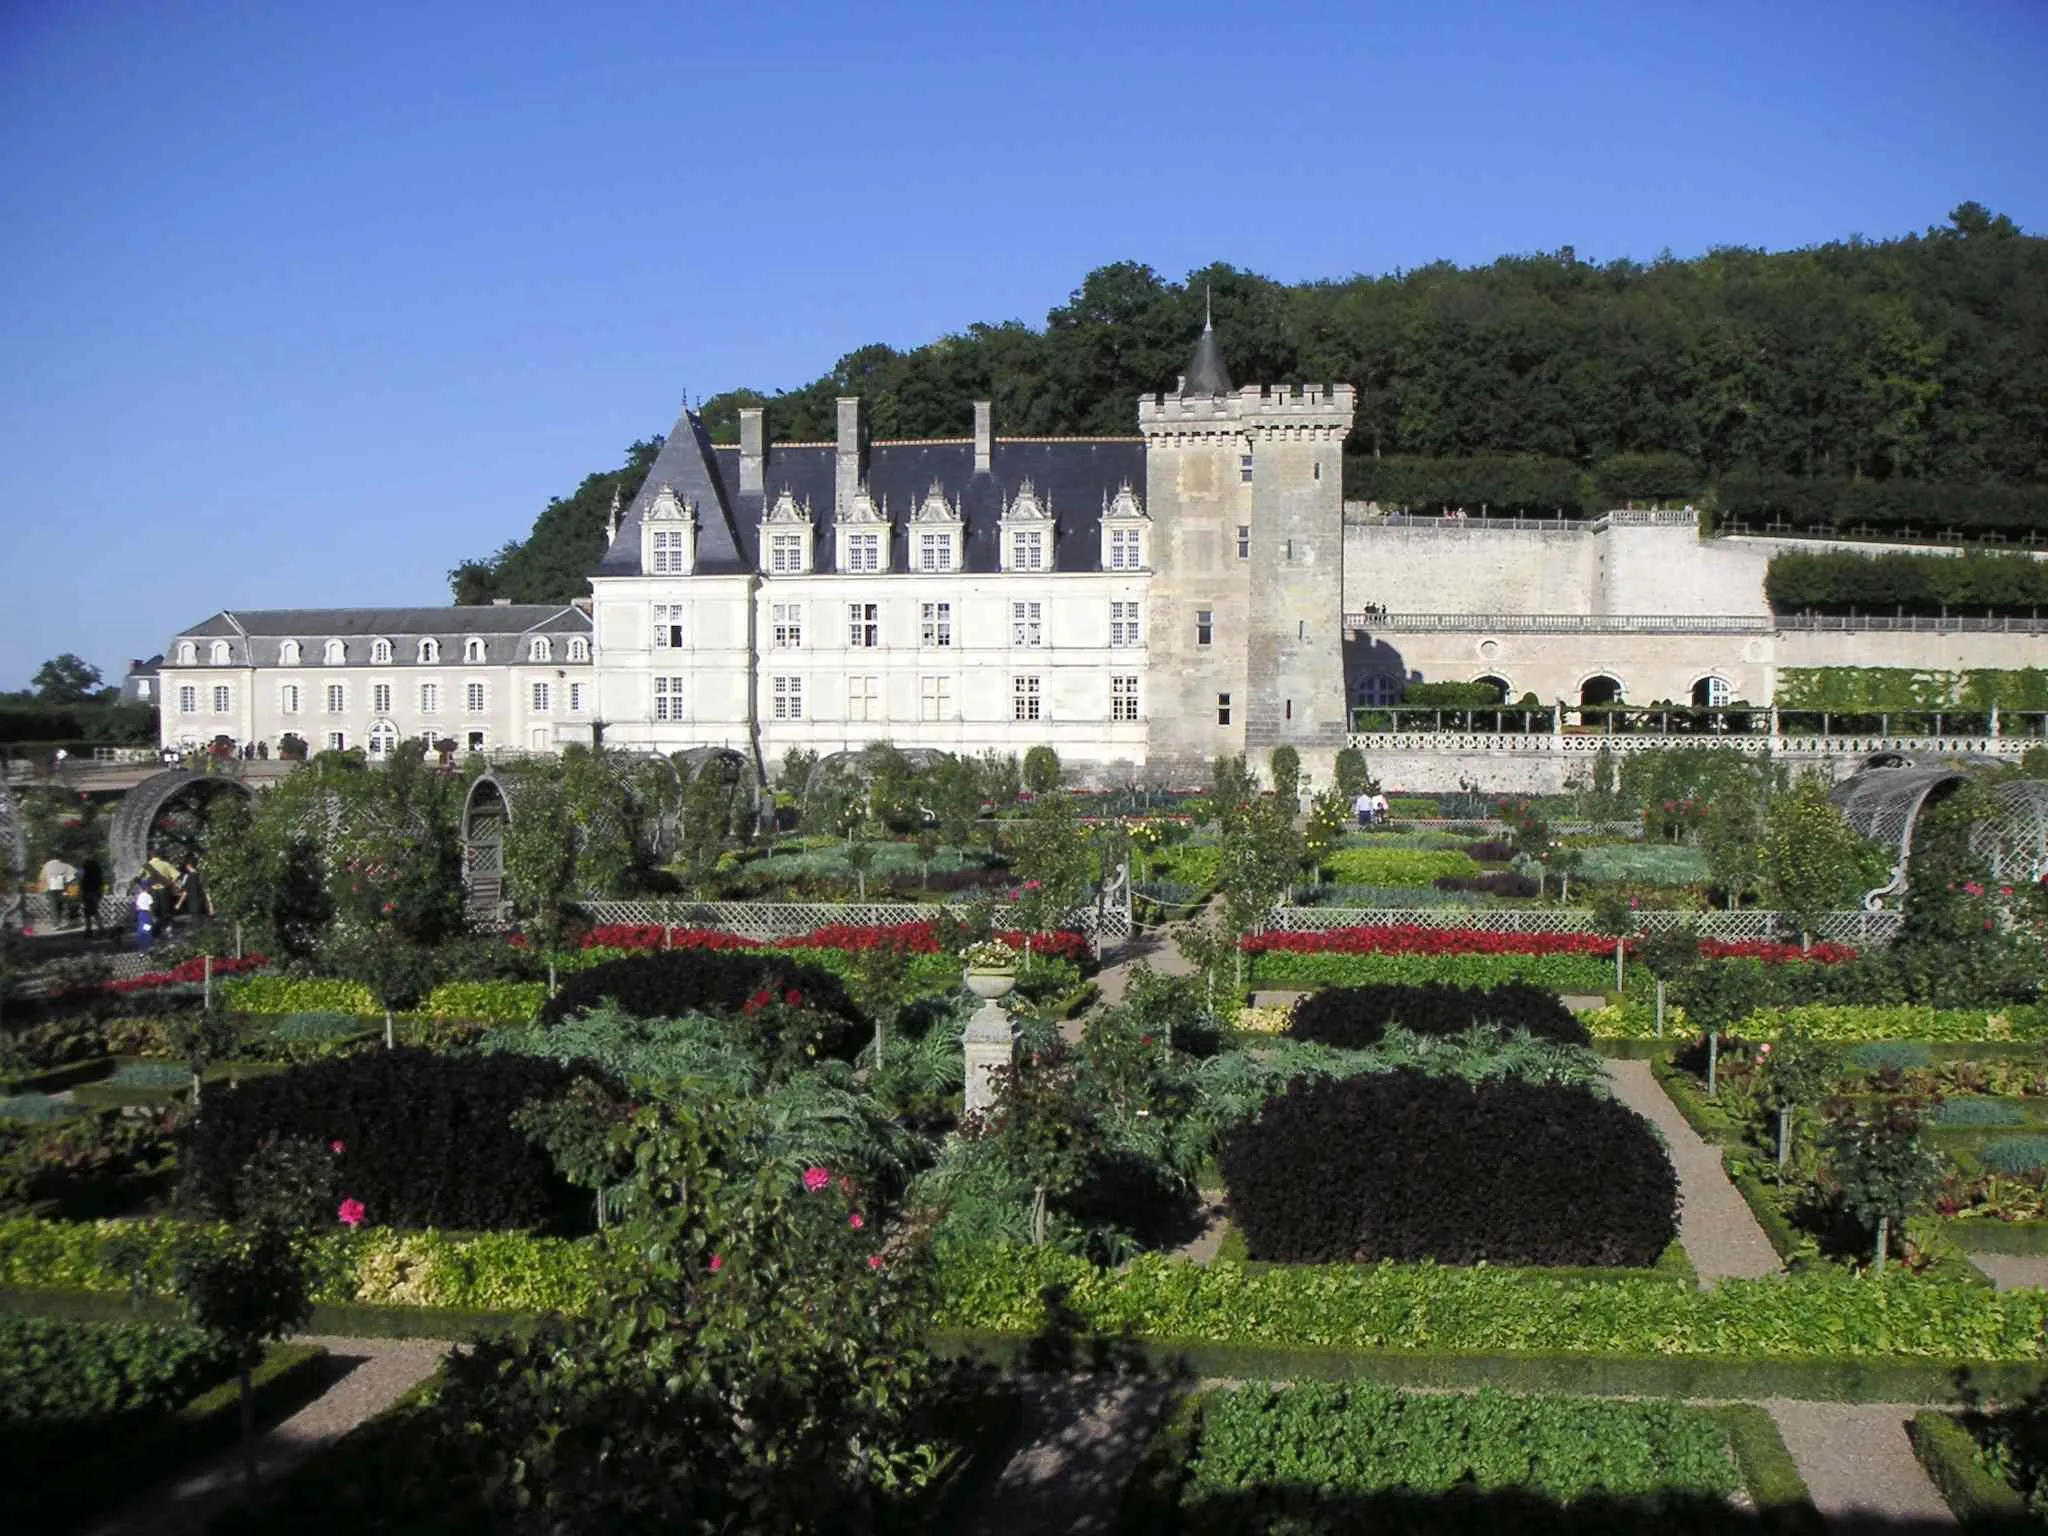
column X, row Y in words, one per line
column 383, row 740
column 1496, row 681
column 1711, row 692
column 1600, row 688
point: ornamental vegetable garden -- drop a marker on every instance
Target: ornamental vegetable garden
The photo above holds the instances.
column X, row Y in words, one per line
column 660, row 1169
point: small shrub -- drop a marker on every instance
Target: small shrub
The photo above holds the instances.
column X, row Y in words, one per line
column 1888, row 1056
column 1493, row 850
column 428, row 1138
column 1402, row 1166
column 2016, row 1154
column 1495, row 882
column 678, row 983
column 1353, row 1018
column 1979, row 1112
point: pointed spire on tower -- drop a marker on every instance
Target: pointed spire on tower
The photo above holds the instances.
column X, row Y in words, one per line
column 611, row 527
column 1206, row 374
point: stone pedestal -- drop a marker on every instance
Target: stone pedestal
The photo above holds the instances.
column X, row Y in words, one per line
column 990, row 1040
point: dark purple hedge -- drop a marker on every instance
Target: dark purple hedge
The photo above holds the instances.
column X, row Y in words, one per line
column 1352, row 1018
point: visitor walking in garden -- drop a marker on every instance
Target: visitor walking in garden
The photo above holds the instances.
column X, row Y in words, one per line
column 194, row 904
column 92, row 885
column 145, row 913
column 57, row 878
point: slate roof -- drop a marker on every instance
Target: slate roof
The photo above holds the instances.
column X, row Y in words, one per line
column 502, row 626
column 1075, row 475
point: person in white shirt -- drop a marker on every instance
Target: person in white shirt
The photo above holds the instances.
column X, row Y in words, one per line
column 1379, row 807
column 1362, row 808
column 57, row 878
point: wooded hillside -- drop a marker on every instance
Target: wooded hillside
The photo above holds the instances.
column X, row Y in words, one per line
column 1919, row 362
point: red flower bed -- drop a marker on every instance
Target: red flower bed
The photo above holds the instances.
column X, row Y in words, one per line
column 916, row 938
column 1410, row 939
column 193, row 970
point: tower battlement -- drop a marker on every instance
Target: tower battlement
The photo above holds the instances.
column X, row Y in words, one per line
column 1297, row 405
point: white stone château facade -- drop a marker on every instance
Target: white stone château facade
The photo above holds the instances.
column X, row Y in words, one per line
column 502, row 676
column 1142, row 604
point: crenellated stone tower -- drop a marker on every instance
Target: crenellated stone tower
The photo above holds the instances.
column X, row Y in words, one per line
column 1245, row 490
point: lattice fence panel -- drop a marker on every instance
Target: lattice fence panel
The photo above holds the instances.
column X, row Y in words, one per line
column 759, row 919
column 1849, row 927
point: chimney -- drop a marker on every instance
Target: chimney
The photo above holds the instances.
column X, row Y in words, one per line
column 984, row 437
column 852, row 460
column 753, row 449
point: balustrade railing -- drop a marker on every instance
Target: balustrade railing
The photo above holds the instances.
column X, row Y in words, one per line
column 1623, row 745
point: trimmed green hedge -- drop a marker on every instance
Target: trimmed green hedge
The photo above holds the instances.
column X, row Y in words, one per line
column 1980, row 1498
column 475, row 1271
column 1819, row 1315
column 1635, row 1018
column 1563, row 973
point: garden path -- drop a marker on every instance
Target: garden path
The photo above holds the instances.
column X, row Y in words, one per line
column 1082, row 1439
column 1715, row 1224
column 2013, row 1271
column 384, row 1370
column 1858, row 1464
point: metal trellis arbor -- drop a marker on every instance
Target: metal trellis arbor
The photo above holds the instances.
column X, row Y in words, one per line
column 143, row 807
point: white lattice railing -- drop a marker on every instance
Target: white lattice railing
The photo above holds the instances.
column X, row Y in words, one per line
column 1494, row 824
column 1541, row 744
column 1847, row 927
column 788, row 920
column 39, row 911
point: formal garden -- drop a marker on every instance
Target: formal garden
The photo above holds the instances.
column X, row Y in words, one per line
column 677, row 1133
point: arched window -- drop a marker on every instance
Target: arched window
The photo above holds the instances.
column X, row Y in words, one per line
column 540, row 649
column 380, row 653
column 579, row 649
column 218, row 653
column 188, row 654
column 1495, row 681
column 383, row 738
column 334, row 653
column 1600, row 689
column 1711, row 692
column 288, row 654
column 472, row 649
column 430, row 651
column 1377, row 690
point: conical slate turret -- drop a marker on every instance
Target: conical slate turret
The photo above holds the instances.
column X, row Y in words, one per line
column 1206, row 374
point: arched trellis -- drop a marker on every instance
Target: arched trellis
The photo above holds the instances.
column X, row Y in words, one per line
column 1885, row 802
column 144, row 805
column 486, row 813
column 854, row 763
column 729, row 767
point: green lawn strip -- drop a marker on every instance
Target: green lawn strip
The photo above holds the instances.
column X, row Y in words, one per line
column 123, row 1467
column 357, row 1320
column 1979, row 1497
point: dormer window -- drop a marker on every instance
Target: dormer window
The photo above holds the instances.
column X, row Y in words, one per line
column 430, row 652
column 540, row 649
column 1027, row 531
column 938, row 533
column 380, row 653
column 188, row 654
column 1124, row 526
column 472, row 649
column 669, row 527
column 864, row 536
column 288, row 654
column 218, row 653
column 335, row 653
column 579, row 649
column 786, row 536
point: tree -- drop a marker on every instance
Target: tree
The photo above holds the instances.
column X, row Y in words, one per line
column 1262, row 854
column 1353, row 778
column 1883, row 1170
column 1817, row 863
column 1052, row 856
column 1041, row 770
column 1798, row 1071
column 1285, row 764
column 860, row 858
column 1042, row 1129
column 66, row 679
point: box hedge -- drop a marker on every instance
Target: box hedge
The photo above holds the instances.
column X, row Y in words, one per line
column 1403, row 1166
column 427, row 1138
column 1353, row 1018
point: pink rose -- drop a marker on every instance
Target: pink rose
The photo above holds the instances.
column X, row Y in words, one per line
column 351, row 1213
column 816, row 1179
column 717, row 1262
column 874, row 1261
column 337, row 1147
column 854, row 1221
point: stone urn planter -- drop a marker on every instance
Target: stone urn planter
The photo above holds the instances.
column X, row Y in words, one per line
column 991, row 985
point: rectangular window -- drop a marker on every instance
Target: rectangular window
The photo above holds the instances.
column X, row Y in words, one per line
column 935, row 551
column 786, row 553
column 188, row 700
column 337, row 698
column 1205, row 626
column 380, row 698
column 473, row 698
column 1023, row 698
column 1244, row 468
column 576, row 697
column 540, row 698
column 786, row 622
column 863, row 552
column 1027, row 551
column 430, row 698
column 668, row 553
column 863, row 626
column 1123, row 549
column 1025, row 628
column 1244, row 541
column 864, row 698
column 223, row 701
column 1124, row 629
column 668, row 626
column 1123, row 698
column 336, row 742
column 1223, row 709
column 935, row 698
column 788, row 696
column 936, row 627
column 288, row 699
column 668, row 698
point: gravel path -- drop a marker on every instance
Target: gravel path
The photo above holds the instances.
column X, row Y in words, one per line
column 384, row 1370
column 2014, row 1271
column 1083, row 1437
column 1858, row 1463
column 1720, row 1235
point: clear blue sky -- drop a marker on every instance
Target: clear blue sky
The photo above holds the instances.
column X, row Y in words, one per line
column 301, row 304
